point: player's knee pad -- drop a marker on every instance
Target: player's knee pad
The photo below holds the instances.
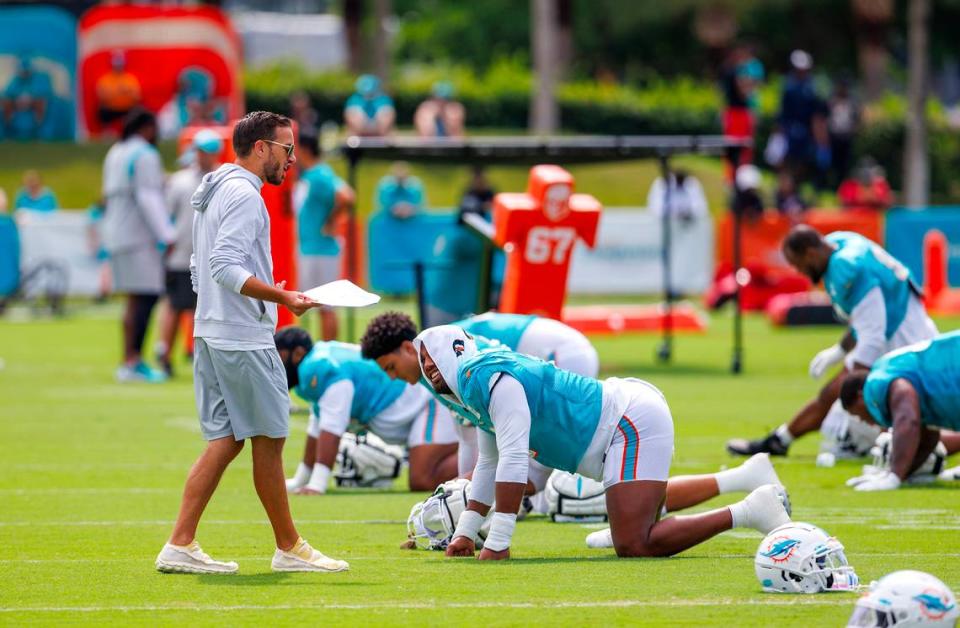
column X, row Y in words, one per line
column 572, row 497
column 367, row 461
column 927, row 472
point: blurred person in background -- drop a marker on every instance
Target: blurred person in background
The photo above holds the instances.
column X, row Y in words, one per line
column 25, row 100
column 803, row 122
column 451, row 286
column 399, row 193
column 34, row 195
column 203, row 156
column 192, row 104
column 740, row 76
column 369, row 111
column 99, row 253
column 687, row 200
column 136, row 228
column 440, row 115
column 320, row 199
column 118, row 91
column 747, row 200
column 303, row 113
column 789, row 200
column 842, row 125
column 867, row 188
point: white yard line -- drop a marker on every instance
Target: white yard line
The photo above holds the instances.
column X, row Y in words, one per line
column 845, row 600
column 592, row 553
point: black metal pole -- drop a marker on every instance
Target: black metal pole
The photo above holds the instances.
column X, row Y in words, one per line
column 736, row 364
column 665, row 352
column 418, row 283
column 353, row 161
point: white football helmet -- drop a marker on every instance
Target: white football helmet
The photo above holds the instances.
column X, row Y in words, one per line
column 927, row 472
column 366, row 461
column 572, row 497
column 906, row 598
column 432, row 522
column 802, row 558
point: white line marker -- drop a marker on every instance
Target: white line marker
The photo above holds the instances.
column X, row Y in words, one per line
column 805, row 601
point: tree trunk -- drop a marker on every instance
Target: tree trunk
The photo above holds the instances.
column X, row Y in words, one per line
column 916, row 167
column 381, row 39
column 352, row 23
column 872, row 20
column 565, row 38
column 544, row 113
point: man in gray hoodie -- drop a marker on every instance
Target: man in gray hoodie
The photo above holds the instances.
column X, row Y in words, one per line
column 239, row 380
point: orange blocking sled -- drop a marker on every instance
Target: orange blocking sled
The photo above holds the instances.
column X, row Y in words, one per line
column 538, row 230
column 616, row 319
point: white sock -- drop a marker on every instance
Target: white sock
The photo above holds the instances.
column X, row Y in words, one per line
column 733, row 480
column 738, row 513
column 783, row 433
column 302, row 476
column 319, row 478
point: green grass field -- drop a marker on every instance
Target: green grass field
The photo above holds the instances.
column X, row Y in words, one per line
column 91, row 471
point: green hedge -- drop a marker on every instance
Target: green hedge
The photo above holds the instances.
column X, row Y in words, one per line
column 500, row 99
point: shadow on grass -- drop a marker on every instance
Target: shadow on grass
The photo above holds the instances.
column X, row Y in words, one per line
column 275, row 579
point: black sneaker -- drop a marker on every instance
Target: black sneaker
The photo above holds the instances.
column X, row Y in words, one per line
column 770, row 445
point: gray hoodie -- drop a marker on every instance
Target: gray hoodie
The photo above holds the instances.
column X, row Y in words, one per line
column 231, row 243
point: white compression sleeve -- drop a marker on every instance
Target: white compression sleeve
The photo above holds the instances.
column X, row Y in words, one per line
column 869, row 321
column 510, row 415
column 483, row 485
column 335, row 407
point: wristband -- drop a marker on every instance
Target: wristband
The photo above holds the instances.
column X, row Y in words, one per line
column 468, row 525
column 319, row 478
column 501, row 531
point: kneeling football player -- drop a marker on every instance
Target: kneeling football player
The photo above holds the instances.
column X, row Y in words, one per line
column 618, row 431
column 915, row 392
column 348, row 393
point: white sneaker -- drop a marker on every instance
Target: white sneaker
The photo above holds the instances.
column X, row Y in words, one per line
column 302, row 557
column 765, row 509
column 758, row 470
column 950, row 474
column 190, row 559
column 601, row 539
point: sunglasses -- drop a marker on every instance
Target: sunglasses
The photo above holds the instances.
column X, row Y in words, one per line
column 289, row 147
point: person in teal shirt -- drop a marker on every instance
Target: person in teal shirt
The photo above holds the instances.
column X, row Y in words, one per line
column 400, row 194
column 914, row 391
column 320, row 198
column 25, row 101
column 350, row 393
column 34, row 195
column 369, row 111
column 617, row 431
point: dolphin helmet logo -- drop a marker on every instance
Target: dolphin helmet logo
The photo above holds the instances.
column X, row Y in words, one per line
column 781, row 549
column 458, row 346
column 934, row 604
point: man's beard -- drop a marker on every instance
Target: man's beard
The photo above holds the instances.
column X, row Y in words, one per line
column 274, row 172
column 817, row 275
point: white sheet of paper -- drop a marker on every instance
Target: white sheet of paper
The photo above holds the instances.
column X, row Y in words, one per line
column 342, row 293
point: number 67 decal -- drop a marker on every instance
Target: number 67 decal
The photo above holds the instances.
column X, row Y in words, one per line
column 549, row 245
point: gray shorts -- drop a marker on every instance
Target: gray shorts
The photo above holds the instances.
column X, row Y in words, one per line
column 240, row 393
column 138, row 271
column 316, row 270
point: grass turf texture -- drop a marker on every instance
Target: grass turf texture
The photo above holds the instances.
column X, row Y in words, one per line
column 91, row 473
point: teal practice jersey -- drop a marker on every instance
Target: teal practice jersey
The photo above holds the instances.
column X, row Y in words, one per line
column 859, row 265
column 507, row 329
column 564, row 407
column 331, row 362
column 933, row 368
